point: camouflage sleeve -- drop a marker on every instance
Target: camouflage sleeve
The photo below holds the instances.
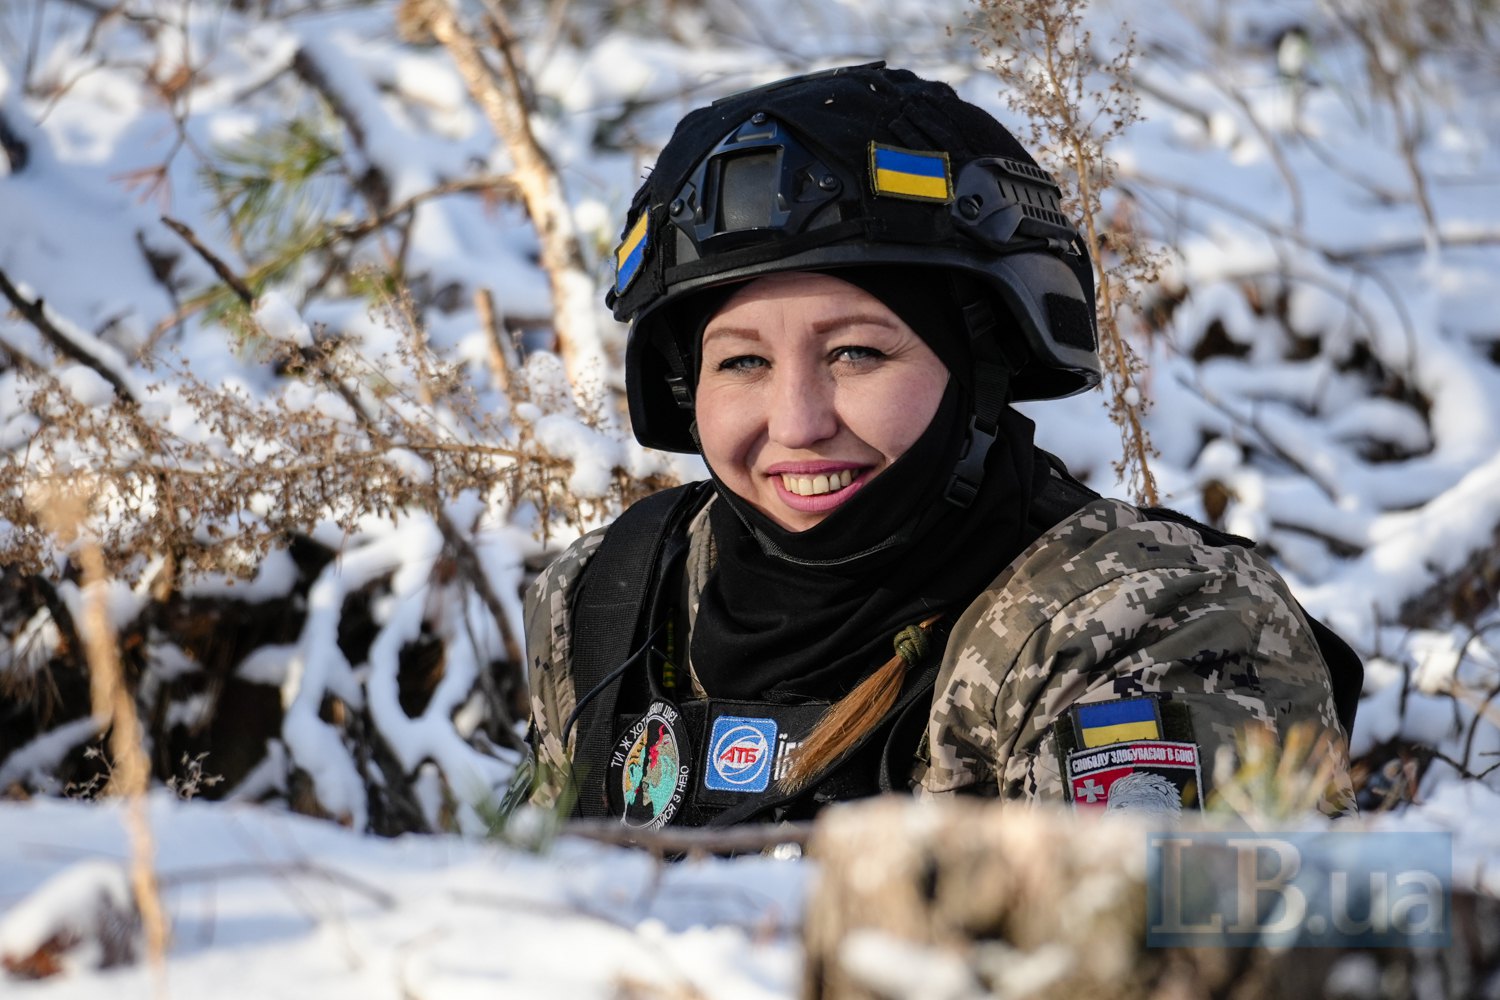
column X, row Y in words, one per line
column 548, row 623
column 1111, row 605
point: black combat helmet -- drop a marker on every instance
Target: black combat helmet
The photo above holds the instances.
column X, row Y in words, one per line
column 861, row 165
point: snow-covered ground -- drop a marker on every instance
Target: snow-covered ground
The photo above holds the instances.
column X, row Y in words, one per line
column 1325, row 375
column 266, row 904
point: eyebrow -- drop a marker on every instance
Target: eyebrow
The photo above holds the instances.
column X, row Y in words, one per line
column 822, row 327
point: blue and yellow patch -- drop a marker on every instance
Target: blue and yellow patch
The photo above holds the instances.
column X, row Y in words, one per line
column 1107, row 722
column 910, row 173
column 631, row 253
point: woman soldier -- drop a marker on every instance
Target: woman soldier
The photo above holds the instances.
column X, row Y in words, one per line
column 836, row 286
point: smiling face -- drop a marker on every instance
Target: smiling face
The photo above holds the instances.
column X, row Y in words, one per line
column 809, row 388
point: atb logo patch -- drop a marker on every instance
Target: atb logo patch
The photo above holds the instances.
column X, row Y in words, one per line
column 649, row 768
column 739, row 754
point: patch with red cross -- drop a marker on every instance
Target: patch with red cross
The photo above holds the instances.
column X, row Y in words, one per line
column 1150, row 776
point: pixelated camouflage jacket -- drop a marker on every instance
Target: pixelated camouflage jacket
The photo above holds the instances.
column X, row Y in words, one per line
column 1107, row 604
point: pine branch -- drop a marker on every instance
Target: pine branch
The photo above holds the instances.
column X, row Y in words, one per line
column 373, row 183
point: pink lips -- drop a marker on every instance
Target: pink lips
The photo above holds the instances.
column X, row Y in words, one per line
column 823, row 502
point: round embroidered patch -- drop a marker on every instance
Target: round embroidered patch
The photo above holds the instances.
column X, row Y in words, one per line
column 649, row 770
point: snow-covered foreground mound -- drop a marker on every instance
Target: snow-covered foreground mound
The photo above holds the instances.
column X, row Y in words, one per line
column 265, row 904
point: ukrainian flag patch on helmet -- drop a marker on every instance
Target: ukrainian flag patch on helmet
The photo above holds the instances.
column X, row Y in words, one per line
column 910, row 173
column 631, row 252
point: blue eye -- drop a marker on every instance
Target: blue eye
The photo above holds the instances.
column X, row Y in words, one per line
column 857, row 353
column 740, row 363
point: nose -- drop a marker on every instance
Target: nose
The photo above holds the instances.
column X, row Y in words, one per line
column 803, row 410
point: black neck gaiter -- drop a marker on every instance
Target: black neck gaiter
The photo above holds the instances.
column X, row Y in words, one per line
column 793, row 616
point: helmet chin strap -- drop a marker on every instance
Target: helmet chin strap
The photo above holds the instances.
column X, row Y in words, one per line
column 680, row 380
column 993, row 370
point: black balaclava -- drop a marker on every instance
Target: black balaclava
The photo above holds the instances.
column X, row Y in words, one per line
column 791, row 616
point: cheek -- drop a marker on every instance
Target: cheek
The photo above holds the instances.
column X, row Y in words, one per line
column 723, row 429
column 899, row 416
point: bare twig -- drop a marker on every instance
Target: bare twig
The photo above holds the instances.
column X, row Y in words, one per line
column 1389, row 86
column 1174, row 101
column 322, row 873
column 1236, row 96
column 1353, row 258
column 469, row 564
column 372, row 183
column 502, row 350
column 502, row 185
column 224, row 271
column 1328, row 488
column 668, row 841
column 497, row 184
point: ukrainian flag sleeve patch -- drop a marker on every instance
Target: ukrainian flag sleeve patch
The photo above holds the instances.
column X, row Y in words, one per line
column 631, row 253
column 1106, row 722
column 910, row 173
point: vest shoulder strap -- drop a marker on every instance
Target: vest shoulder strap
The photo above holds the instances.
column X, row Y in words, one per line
column 609, row 606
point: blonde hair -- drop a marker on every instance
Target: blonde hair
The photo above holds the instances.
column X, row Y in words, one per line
column 859, row 711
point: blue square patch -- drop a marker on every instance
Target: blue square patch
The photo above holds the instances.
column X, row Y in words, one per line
column 739, row 754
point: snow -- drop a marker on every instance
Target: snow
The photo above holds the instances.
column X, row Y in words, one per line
column 36, row 759
column 279, row 320
column 266, row 904
column 1349, row 411
column 68, row 904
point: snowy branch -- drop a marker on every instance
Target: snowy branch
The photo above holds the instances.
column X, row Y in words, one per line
column 35, row 313
column 502, row 94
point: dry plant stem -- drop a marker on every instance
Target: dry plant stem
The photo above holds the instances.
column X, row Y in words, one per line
column 1236, row 96
column 468, row 562
column 1376, row 41
column 465, row 556
column 1118, row 355
column 283, row 869
column 501, row 93
column 1041, row 54
column 114, row 707
column 36, row 314
column 501, row 185
column 1328, row 487
column 501, row 350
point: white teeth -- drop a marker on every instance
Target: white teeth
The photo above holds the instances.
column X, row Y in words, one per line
column 811, row 486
